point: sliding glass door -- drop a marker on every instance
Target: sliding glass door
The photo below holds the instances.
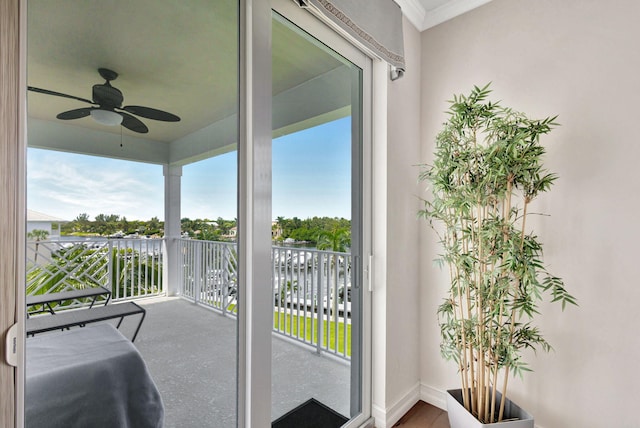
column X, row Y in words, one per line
column 201, row 265
column 133, row 118
column 318, row 152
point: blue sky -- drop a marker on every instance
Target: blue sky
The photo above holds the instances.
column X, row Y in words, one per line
column 311, row 177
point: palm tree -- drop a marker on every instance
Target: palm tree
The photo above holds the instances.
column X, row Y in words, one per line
column 37, row 235
column 338, row 239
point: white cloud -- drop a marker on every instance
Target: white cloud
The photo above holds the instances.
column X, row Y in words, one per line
column 66, row 185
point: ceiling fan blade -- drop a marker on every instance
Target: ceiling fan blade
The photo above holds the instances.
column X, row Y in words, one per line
column 75, row 114
column 58, row 94
column 133, row 123
column 151, row 113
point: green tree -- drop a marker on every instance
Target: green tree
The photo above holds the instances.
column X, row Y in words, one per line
column 80, row 224
column 106, row 224
column 124, row 225
column 154, row 226
column 338, row 239
column 224, row 225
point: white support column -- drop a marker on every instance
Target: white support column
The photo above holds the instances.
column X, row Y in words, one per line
column 171, row 264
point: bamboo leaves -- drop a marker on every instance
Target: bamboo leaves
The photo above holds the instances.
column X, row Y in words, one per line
column 486, row 171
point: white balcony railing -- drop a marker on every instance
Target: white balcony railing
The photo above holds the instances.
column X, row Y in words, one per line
column 311, row 288
column 312, row 298
column 130, row 268
column 208, row 274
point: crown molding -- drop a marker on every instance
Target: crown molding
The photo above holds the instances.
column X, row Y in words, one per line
column 448, row 11
column 413, row 11
column 423, row 19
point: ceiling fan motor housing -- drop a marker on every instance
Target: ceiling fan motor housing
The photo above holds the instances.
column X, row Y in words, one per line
column 107, row 97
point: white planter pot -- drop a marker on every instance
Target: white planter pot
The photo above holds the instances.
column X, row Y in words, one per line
column 459, row 417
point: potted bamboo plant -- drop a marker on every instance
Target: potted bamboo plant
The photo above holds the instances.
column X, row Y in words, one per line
column 486, row 172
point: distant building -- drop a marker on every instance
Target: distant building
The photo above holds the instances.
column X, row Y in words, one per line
column 276, row 230
column 40, row 221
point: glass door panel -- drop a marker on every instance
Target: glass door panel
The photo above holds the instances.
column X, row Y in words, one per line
column 316, row 229
column 132, row 186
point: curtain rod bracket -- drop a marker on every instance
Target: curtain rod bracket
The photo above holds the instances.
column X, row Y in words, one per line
column 395, row 73
column 303, row 4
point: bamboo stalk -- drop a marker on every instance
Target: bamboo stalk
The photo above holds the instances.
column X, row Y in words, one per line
column 495, row 337
column 465, row 380
column 471, row 373
column 513, row 312
column 476, row 239
column 489, row 331
column 487, row 392
column 472, row 368
column 478, row 312
column 504, row 394
column 494, row 389
column 477, row 279
column 505, row 205
column 462, row 344
column 507, row 214
column 524, row 222
column 463, row 364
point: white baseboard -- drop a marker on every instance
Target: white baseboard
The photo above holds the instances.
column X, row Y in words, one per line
column 379, row 415
column 433, row 396
column 403, row 405
column 386, row 418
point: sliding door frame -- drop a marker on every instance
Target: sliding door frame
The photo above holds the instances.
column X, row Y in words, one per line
column 362, row 155
column 12, row 206
column 255, row 318
column 254, row 210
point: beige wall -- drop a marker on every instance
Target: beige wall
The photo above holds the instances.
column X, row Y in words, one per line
column 402, row 224
column 397, row 335
column 578, row 59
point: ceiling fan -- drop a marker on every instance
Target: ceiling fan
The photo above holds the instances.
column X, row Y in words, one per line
column 107, row 106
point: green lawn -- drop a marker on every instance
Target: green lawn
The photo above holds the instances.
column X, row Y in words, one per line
column 283, row 322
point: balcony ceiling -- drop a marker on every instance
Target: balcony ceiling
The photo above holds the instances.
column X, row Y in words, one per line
column 180, row 57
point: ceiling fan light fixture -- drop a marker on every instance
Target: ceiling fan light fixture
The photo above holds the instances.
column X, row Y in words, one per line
column 106, row 117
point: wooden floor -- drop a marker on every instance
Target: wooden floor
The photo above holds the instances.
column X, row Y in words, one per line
column 424, row 415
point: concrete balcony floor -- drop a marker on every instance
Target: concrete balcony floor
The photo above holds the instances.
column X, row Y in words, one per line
column 191, row 354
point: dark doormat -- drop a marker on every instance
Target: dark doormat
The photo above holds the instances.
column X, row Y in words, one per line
column 310, row 414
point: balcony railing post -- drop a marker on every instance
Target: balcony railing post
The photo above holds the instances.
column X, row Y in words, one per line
column 197, row 277
column 320, row 304
column 224, row 282
column 110, row 266
column 181, row 256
